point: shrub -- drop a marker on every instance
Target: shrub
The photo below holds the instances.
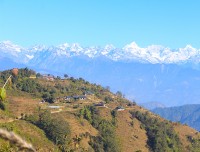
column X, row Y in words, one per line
column 2, row 105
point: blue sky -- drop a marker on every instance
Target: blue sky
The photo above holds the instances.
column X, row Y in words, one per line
column 171, row 23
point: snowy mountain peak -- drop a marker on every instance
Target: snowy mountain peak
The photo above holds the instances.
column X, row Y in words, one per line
column 107, row 49
column 132, row 45
column 9, row 46
column 76, row 48
column 64, row 46
column 37, row 48
column 159, row 54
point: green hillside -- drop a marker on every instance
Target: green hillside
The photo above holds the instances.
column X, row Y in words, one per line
column 70, row 114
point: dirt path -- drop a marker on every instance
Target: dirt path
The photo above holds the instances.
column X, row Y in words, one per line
column 7, row 121
column 59, row 110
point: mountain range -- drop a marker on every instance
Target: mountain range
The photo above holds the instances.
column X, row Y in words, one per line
column 155, row 73
column 152, row 105
column 131, row 52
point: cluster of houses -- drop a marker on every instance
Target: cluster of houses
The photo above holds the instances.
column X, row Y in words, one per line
column 68, row 98
column 45, row 76
column 102, row 104
column 78, row 97
column 81, row 97
column 118, row 108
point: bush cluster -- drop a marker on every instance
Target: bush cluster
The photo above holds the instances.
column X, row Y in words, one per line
column 161, row 135
column 107, row 140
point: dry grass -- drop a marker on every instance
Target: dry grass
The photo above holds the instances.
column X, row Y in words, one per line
column 78, row 127
column 105, row 113
column 30, row 133
column 16, row 140
column 132, row 138
column 4, row 117
column 25, row 105
column 183, row 131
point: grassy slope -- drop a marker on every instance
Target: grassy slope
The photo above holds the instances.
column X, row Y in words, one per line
column 132, row 137
column 78, row 128
column 28, row 132
column 184, row 132
column 129, row 132
column 17, row 103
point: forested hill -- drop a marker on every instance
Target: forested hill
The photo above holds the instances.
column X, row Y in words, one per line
column 187, row 114
column 70, row 114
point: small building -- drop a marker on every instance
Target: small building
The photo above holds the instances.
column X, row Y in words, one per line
column 67, row 98
column 120, row 108
column 75, row 97
column 48, row 77
column 82, row 97
column 100, row 104
column 32, row 77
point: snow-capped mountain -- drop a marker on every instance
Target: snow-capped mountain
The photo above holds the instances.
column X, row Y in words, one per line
column 154, row 73
column 159, row 54
column 14, row 52
column 131, row 52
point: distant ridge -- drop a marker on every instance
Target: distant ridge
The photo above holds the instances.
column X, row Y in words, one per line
column 152, row 105
column 186, row 114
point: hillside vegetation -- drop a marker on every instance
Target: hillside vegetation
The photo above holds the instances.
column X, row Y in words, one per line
column 74, row 115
